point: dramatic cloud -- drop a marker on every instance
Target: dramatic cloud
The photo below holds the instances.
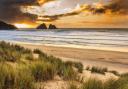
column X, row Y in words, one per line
column 114, row 6
column 10, row 10
column 61, row 8
column 75, row 11
column 14, row 11
column 120, row 6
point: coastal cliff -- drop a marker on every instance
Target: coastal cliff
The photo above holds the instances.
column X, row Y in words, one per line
column 5, row 26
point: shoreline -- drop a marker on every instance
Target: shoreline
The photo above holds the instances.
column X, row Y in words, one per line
column 113, row 60
column 112, row 49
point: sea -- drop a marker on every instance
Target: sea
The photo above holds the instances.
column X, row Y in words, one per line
column 112, row 39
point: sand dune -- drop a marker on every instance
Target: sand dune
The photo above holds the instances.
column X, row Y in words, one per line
column 113, row 60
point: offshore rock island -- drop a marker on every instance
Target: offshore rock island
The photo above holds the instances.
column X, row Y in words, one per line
column 44, row 26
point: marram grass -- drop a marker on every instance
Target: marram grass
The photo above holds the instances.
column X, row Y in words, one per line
column 20, row 70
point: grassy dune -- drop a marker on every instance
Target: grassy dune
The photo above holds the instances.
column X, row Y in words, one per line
column 121, row 83
column 21, row 68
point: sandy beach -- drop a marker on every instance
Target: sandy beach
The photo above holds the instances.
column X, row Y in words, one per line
column 113, row 60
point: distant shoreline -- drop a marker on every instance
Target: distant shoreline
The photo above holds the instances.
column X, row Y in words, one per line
column 61, row 29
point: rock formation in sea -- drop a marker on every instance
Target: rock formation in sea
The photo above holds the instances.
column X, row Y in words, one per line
column 42, row 26
column 52, row 26
column 5, row 26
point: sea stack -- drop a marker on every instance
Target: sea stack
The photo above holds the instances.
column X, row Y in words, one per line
column 5, row 26
column 52, row 26
column 42, row 26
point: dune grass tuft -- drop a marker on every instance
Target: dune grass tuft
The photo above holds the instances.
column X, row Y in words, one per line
column 42, row 71
column 114, row 72
column 121, row 83
column 100, row 70
column 15, row 79
column 92, row 84
column 12, row 53
column 24, row 79
column 77, row 65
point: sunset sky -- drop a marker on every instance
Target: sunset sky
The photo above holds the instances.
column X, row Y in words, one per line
column 65, row 13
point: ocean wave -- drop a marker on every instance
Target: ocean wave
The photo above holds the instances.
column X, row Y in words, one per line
column 81, row 38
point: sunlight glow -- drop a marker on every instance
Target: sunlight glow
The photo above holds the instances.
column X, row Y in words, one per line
column 18, row 25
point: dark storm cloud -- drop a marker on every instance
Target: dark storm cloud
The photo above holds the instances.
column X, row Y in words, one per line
column 10, row 10
column 115, row 6
column 120, row 6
